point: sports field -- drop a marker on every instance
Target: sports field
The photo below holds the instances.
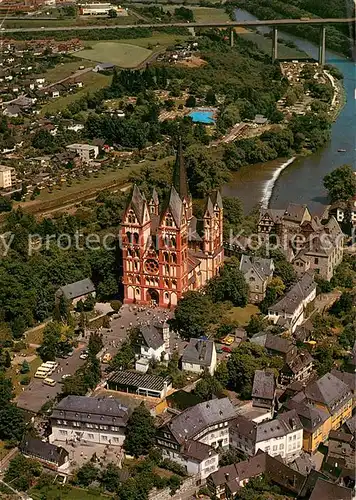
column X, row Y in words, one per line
column 124, row 55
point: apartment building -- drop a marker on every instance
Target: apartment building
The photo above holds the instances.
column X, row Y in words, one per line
column 7, row 177
column 89, row 420
column 86, row 152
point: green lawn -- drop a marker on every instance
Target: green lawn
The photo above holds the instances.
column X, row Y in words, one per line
column 243, row 314
column 64, row 70
column 91, row 82
column 65, row 493
column 125, row 55
column 157, row 41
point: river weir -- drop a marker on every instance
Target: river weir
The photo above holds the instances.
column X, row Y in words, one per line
column 268, row 188
column 300, row 180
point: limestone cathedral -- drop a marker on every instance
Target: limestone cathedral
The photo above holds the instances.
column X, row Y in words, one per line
column 166, row 249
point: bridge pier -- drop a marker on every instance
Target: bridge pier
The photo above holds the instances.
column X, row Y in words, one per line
column 274, row 45
column 232, row 31
column 322, row 45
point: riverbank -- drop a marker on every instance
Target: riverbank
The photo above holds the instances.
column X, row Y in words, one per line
column 302, row 181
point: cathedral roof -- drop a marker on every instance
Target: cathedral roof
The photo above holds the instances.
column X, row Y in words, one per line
column 180, row 181
column 155, row 198
column 174, row 205
column 137, row 203
column 209, row 207
column 216, row 199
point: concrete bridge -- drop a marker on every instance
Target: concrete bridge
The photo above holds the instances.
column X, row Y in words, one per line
column 274, row 23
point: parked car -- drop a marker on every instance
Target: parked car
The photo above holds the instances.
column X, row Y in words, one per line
column 226, row 349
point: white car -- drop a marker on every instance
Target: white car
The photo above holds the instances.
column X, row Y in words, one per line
column 84, row 355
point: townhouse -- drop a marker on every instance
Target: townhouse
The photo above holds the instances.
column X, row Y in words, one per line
column 192, row 437
column 322, row 406
column 282, row 436
column 264, row 389
column 289, row 311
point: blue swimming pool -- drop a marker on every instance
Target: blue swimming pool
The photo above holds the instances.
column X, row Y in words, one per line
column 203, row 116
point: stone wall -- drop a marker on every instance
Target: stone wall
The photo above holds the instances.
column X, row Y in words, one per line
column 187, row 489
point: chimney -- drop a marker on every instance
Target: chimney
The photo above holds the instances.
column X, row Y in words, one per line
column 227, row 476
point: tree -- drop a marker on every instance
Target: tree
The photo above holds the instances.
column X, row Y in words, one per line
column 112, row 13
column 110, row 478
column 341, row 184
column 191, row 102
column 210, row 98
column 116, row 305
column 344, row 305
column 22, row 472
column 7, row 363
column 5, row 204
column 87, row 474
column 124, row 357
column 274, row 290
column 193, row 315
column 6, row 390
column 140, row 432
column 230, row 285
column 233, row 211
column 95, row 343
column 55, row 340
column 222, row 373
column 12, row 423
column 243, row 363
column 208, row 387
column 285, row 271
column 25, row 367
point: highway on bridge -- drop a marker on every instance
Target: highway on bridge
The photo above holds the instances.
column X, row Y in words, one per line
column 227, row 24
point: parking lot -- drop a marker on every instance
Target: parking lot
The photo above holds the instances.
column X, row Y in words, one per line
column 36, row 394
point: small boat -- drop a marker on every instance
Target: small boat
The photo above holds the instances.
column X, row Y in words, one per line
column 341, row 150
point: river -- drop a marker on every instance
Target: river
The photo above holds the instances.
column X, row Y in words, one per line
column 302, row 180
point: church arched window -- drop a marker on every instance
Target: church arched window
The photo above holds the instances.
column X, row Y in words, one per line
column 129, row 236
column 173, row 258
column 136, row 238
column 165, row 256
column 173, row 242
column 169, row 221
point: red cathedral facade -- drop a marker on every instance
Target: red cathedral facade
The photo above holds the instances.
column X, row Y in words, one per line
column 166, row 249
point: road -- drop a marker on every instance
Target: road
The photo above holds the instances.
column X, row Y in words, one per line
column 227, row 24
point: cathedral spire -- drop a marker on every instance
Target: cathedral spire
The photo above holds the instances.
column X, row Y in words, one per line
column 180, row 181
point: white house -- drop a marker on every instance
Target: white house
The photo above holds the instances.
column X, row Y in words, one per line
column 289, row 311
column 199, row 355
column 282, row 436
column 92, row 420
column 152, row 341
column 199, row 459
